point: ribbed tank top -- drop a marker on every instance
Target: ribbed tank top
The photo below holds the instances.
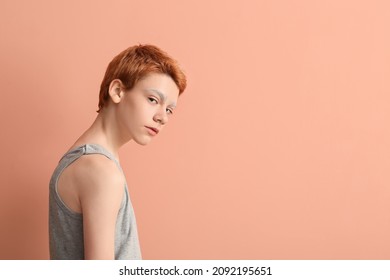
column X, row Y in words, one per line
column 66, row 225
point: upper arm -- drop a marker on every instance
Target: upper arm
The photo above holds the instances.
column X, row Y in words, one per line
column 101, row 191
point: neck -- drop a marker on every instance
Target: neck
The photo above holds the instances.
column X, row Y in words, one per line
column 105, row 132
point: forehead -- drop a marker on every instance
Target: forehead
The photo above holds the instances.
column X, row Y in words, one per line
column 163, row 97
column 161, row 85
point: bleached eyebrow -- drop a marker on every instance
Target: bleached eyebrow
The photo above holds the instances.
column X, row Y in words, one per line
column 162, row 96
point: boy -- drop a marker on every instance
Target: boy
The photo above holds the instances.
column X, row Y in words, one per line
column 90, row 212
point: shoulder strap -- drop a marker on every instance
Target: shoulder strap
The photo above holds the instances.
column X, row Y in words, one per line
column 97, row 149
column 86, row 149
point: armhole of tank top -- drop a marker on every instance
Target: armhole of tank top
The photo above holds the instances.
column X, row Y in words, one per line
column 65, row 207
column 125, row 196
column 58, row 198
column 97, row 149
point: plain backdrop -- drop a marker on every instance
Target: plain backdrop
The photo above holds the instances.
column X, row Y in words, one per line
column 279, row 148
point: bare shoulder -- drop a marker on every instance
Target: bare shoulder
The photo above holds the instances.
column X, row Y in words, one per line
column 96, row 168
column 97, row 175
column 101, row 189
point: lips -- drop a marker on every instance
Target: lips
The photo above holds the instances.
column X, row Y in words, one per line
column 155, row 130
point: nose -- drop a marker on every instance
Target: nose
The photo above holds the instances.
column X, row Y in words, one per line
column 161, row 117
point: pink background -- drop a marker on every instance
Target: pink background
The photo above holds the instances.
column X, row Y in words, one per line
column 279, row 148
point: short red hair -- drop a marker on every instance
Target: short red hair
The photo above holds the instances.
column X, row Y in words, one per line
column 136, row 62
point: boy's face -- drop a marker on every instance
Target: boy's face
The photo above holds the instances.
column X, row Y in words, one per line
column 145, row 109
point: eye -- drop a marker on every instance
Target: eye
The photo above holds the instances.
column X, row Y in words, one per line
column 153, row 100
column 169, row 111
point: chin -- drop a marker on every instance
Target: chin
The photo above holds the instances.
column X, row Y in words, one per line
column 142, row 142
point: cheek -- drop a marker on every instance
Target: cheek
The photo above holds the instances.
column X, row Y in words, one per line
column 125, row 116
column 141, row 114
column 146, row 111
column 136, row 113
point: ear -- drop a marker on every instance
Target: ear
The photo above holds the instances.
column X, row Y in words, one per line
column 116, row 90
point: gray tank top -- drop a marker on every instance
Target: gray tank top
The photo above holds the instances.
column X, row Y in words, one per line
column 66, row 226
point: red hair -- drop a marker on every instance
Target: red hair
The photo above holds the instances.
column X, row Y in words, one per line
column 136, row 62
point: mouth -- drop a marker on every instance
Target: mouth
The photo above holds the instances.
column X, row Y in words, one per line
column 152, row 130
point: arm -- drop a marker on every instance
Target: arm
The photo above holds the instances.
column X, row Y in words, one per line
column 101, row 192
